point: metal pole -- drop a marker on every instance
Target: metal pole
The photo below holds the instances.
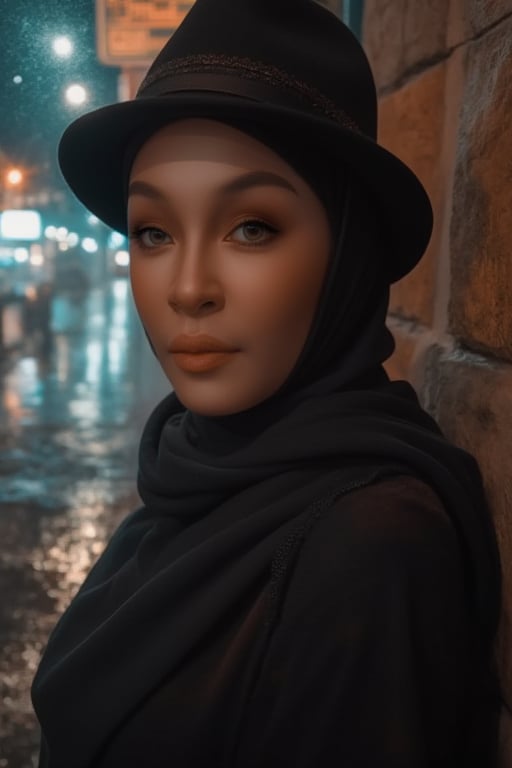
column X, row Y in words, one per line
column 353, row 15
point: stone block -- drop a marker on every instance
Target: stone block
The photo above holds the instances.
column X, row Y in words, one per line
column 408, row 339
column 483, row 14
column 470, row 18
column 403, row 36
column 472, row 400
column 382, row 39
column 480, row 312
column 411, row 125
column 424, row 32
column 413, row 296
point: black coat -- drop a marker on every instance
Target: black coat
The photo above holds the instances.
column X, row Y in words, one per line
column 304, row 611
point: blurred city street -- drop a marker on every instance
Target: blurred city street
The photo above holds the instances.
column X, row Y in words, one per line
column 73, row 400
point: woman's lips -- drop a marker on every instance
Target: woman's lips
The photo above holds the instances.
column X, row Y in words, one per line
column 200, row 362
column 200, row 353
column 199, row 343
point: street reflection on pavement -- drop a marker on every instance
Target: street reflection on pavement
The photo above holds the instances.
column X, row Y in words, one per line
column 71, row 413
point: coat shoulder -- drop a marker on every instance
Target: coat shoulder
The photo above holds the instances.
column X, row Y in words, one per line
column 392, row 533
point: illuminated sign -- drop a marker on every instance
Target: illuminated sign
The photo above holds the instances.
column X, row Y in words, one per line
column 133, row 32
column 20, row 225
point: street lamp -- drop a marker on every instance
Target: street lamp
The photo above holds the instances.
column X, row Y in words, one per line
column 62, row 47
column 76, row 95
column 13, row 181
column 14, row 177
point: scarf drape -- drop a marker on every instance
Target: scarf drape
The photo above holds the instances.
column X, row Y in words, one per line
column 208, row 532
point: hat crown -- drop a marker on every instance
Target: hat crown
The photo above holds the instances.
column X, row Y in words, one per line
column 289, row 67
column 293, row 44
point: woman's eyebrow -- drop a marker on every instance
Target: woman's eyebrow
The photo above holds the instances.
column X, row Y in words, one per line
column 239, row 184
column 256, row 179
column 143, row 188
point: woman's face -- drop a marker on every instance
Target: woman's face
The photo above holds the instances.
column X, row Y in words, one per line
column 229, row 250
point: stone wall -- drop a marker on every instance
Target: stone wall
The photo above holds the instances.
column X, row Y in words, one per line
column 444, row 74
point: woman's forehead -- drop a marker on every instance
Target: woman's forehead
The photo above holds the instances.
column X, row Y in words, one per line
column 209, row 141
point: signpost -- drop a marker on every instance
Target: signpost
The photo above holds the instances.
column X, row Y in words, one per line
column 130, row 33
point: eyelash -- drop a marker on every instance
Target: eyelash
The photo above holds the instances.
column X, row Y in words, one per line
column 138, row 233
column 270, row 231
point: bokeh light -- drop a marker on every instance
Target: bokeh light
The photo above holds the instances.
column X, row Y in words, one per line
column 76, row 95
column 122, row 258
column 62, row 47
column 14, row 177
column 89, row 245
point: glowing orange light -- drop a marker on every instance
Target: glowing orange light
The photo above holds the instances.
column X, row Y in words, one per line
column 14, row 177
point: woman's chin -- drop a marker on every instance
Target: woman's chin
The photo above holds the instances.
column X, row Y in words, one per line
column 213, row 401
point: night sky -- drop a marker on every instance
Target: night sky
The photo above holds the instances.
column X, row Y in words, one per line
column 34, row 112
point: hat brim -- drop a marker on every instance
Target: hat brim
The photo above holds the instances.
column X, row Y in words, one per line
column 93, row 150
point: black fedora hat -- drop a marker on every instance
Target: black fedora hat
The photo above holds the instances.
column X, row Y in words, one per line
column 284, row 64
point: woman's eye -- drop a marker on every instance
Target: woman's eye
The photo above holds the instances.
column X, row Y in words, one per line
column 151, row 237
column 253, row 232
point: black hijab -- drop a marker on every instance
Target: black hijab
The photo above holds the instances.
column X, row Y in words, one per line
column 221, row 495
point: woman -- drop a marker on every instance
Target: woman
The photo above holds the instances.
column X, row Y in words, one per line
column 313, row 578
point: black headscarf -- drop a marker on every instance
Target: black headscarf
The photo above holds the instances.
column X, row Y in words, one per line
column 221, row 495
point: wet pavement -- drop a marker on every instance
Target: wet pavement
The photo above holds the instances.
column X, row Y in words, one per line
column 71, row 414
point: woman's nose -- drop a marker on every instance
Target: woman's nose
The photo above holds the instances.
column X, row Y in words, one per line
column 195, row 287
